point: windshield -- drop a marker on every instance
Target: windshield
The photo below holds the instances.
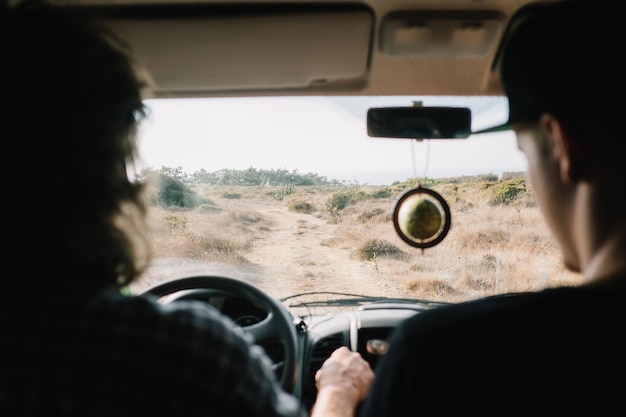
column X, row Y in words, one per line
column 292, row 195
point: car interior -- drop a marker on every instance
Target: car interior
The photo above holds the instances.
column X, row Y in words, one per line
column 411, row 72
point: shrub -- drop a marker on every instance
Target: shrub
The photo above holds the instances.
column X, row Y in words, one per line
column 175, row 221
column 301, row 207
column 173, row 193
column 509, row 192
column 208, row 208
column 284, row 192
column 382, row 193
column 372, row 214
column 231, row 195
column 377, row 248
column 338, row 201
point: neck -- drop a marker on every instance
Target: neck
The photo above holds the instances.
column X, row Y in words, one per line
column 607, row 266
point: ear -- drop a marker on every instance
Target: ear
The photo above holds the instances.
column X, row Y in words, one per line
column 566, row 149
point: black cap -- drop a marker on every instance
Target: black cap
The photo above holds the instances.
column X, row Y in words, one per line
column 561, row 56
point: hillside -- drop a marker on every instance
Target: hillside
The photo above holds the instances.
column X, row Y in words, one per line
column 341, row 238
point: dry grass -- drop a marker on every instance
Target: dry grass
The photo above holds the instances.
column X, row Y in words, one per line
column 489, row 249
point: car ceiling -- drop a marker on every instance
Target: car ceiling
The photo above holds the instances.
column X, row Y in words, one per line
column 375, row 47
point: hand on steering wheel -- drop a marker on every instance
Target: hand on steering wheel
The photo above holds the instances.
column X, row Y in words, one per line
column 278, row 325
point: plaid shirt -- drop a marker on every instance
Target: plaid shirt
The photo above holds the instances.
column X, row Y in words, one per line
column 114, row 355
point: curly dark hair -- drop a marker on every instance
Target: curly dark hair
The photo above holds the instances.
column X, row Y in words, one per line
column 71, row 102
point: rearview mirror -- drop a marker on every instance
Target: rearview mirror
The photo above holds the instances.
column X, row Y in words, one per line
column 419, row 122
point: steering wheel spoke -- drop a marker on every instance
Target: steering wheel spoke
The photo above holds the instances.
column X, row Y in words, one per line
column 265, row 329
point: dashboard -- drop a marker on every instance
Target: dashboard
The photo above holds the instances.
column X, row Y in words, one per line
column 365, row 329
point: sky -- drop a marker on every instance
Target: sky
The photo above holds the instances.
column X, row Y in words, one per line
column 320, row 135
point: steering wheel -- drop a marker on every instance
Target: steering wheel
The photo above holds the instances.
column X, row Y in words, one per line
column 278, row 325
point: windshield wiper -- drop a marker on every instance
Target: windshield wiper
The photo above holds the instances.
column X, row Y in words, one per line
column 357, row 299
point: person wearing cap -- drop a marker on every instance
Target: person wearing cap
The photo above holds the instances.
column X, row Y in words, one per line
column 558, row 350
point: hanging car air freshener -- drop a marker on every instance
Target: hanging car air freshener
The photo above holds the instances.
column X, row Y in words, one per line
column 422, row 217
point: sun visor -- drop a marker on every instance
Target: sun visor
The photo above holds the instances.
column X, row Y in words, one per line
column 200, row 50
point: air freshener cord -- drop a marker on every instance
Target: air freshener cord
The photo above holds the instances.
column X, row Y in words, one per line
column 426, row 157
